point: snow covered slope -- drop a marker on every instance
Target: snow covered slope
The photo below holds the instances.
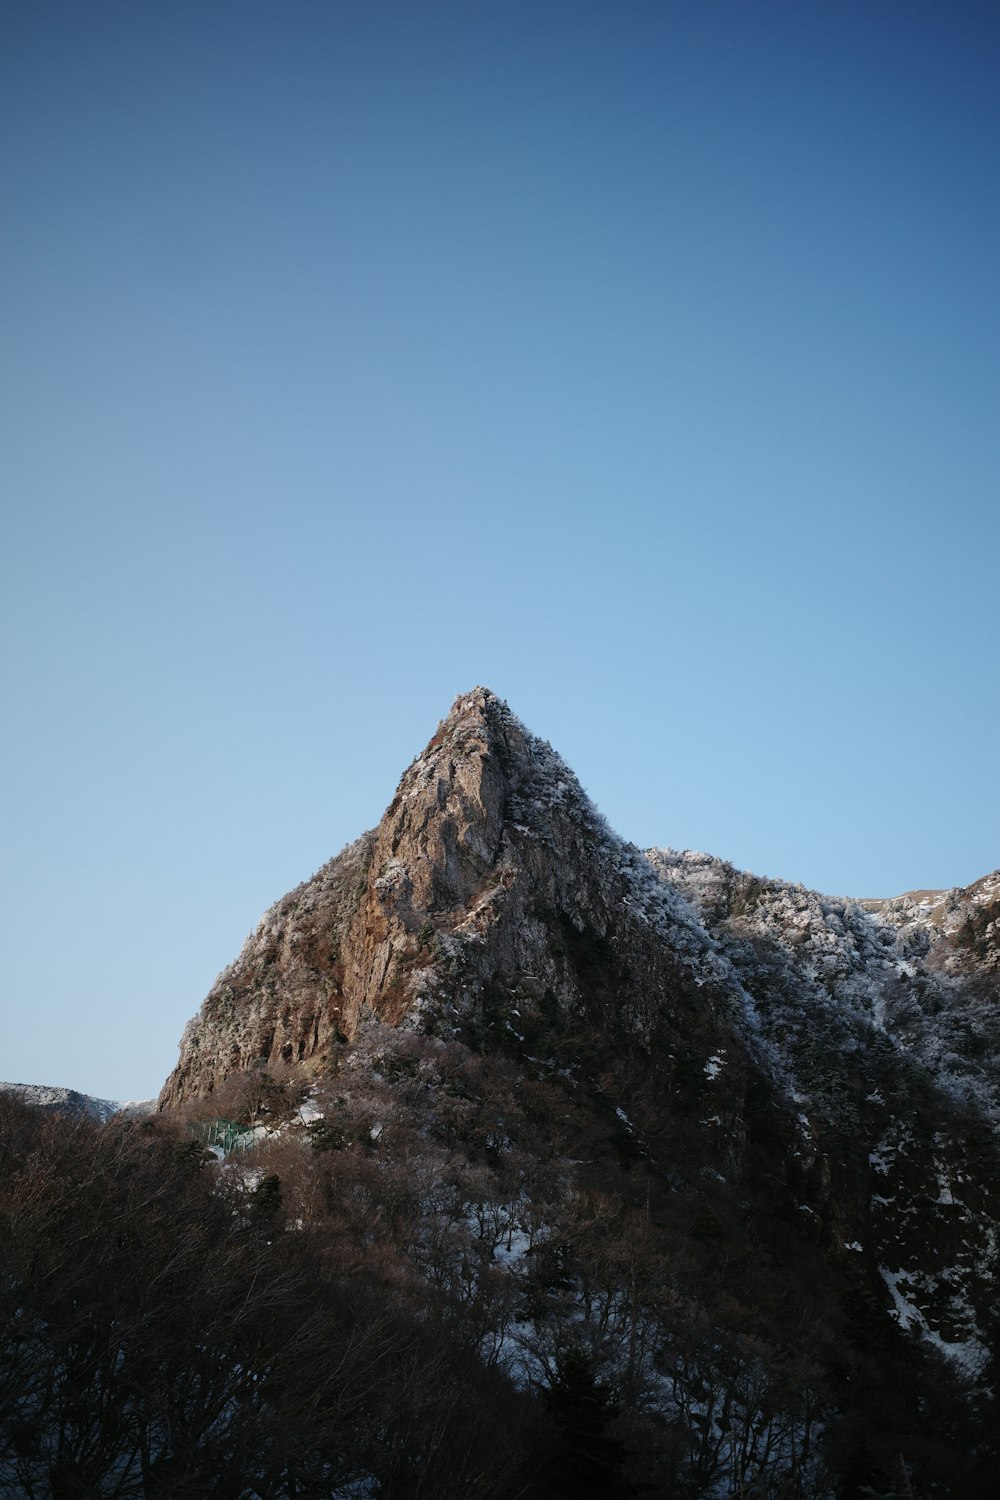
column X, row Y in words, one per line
column 64, row 1101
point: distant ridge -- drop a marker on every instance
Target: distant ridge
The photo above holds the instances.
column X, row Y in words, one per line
column 68, row 1102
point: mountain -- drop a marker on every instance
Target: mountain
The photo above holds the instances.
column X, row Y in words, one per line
column 64, row 1101
column 491, row 886
column 790, row 1099
column 551, row 1168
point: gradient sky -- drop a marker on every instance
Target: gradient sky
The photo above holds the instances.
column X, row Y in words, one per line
column 639, row 361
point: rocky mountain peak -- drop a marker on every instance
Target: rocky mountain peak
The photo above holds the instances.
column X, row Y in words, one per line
column 491, row 881
column 441, row 834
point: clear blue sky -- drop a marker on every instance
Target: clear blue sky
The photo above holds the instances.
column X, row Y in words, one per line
column 637, row 360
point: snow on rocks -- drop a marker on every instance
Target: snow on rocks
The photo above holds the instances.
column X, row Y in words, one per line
column 65, row 1101
column 969, row 1354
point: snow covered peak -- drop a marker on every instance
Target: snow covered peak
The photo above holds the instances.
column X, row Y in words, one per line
column 63, row 1101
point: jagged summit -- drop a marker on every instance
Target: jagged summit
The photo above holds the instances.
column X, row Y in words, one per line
column 492, row 889
column 491, row 879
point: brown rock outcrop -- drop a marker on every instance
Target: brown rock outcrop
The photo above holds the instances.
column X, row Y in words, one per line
column 491, row 885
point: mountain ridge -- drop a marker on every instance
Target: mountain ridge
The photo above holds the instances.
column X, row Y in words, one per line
column 55, row 1099
column 493, row 906
column 446, row 869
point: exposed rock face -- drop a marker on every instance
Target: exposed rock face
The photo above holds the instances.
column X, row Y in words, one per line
column 491, row 867
column 282, row 1000
column 491, row 882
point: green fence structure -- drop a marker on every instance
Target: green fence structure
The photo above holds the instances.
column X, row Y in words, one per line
column 226, row 1134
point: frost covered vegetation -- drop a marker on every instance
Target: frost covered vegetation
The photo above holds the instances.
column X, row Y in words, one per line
column 65, row 1101
column 571, row 1172
column 827, row 974
column 163, row 1336
column 448, row 1272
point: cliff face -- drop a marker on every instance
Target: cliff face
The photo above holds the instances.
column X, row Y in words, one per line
column 491, row 868
column 492, row 890
column 281, row 1001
